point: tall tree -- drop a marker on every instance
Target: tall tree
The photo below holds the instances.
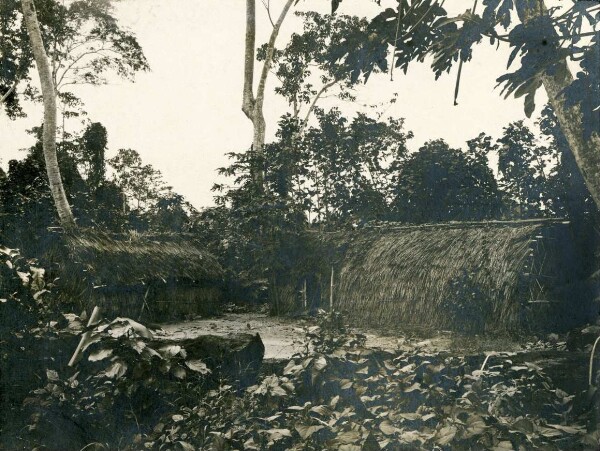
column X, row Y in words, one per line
column 309, row 66
column 91, row 154
column 568, row 194
column 524, row 167
column 73, row 44
column 67, row 220
column 252, row 105
column 83, row 41
column 545, row 40
column 439, row 183
column 564, row 92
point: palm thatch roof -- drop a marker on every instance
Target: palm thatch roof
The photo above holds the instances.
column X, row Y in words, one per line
column 131, row 259
column 492, row 275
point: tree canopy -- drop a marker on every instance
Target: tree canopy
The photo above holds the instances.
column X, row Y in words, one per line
column 84, row 44
column 439, row 183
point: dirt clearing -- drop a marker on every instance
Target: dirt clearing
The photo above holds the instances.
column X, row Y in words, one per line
column 284, row 337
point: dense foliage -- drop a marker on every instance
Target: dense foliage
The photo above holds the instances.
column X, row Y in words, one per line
column 128, row 195
column 345, row 172
column 438, row 184
column 541, row 39
column 341, row 395
column 31, row 341
column 128, row 391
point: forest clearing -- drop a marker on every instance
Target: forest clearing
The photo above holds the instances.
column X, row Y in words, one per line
column 386, row 238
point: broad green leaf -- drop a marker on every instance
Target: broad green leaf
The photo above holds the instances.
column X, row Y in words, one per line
column 307, row 431
column 116, row 370
column 179, row 372
column 410, row 436
column 445, row 435
column 185, row 446
column 100, row 354
column 410, row 416
column 198, row 366
column 321, row 410
column 348, row 437
column 278, row 434
column 387, row 428
column 504, row 446
column 52, row 375
column 568, row 429
column 170, row 350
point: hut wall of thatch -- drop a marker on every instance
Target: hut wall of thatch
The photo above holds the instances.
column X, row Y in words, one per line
column 159, row 277
column 158, row 301
column 472, row 277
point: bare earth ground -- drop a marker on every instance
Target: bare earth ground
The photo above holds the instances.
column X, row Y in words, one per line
column 284, row 337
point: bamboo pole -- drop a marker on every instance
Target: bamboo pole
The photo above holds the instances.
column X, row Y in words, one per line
column 94, row 318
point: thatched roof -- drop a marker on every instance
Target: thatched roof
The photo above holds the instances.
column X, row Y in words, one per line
column 392, row 276
column 134, row 259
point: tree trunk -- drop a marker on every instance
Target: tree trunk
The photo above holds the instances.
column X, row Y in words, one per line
column 586, row 152
column 253, row 106
column 63, row 209
column 570, row 119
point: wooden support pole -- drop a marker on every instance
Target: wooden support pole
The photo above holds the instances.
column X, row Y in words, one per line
column 331, row 291
column 94, row 318
column 304, row 300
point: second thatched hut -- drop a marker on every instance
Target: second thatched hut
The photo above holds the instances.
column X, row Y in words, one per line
column 472, row 277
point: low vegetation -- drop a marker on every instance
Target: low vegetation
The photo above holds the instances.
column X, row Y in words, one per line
column 128, row 392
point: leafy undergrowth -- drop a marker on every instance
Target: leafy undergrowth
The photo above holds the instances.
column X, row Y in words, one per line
column 340, row 395
column 122, row 385
column 31, row 341
column 129, row 392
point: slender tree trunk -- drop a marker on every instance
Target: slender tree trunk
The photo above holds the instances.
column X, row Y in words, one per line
column 313, row 104
column 570, row 119
column 49, row 130
column 253, row 106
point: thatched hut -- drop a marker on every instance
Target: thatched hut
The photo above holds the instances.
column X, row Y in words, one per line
column 157, row 276
column 475, row 277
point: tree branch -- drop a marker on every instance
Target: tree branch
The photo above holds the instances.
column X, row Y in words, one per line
column 267, row 5
column 70, row 66
column 9, row 92
column 322, row 91
column 260, row 93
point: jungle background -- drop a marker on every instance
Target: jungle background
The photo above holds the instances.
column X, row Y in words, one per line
column 328, row 164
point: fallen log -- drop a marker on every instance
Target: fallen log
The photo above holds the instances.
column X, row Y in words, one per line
column 237, row 357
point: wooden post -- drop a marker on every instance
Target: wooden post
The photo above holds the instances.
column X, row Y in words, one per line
column 276, row 295
column 331, row 291
column 94, row 318
column 304, row 302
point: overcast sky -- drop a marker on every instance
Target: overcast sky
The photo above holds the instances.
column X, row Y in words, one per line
column 185, row 114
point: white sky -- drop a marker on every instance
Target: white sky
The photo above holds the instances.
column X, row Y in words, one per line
column 185, row 114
